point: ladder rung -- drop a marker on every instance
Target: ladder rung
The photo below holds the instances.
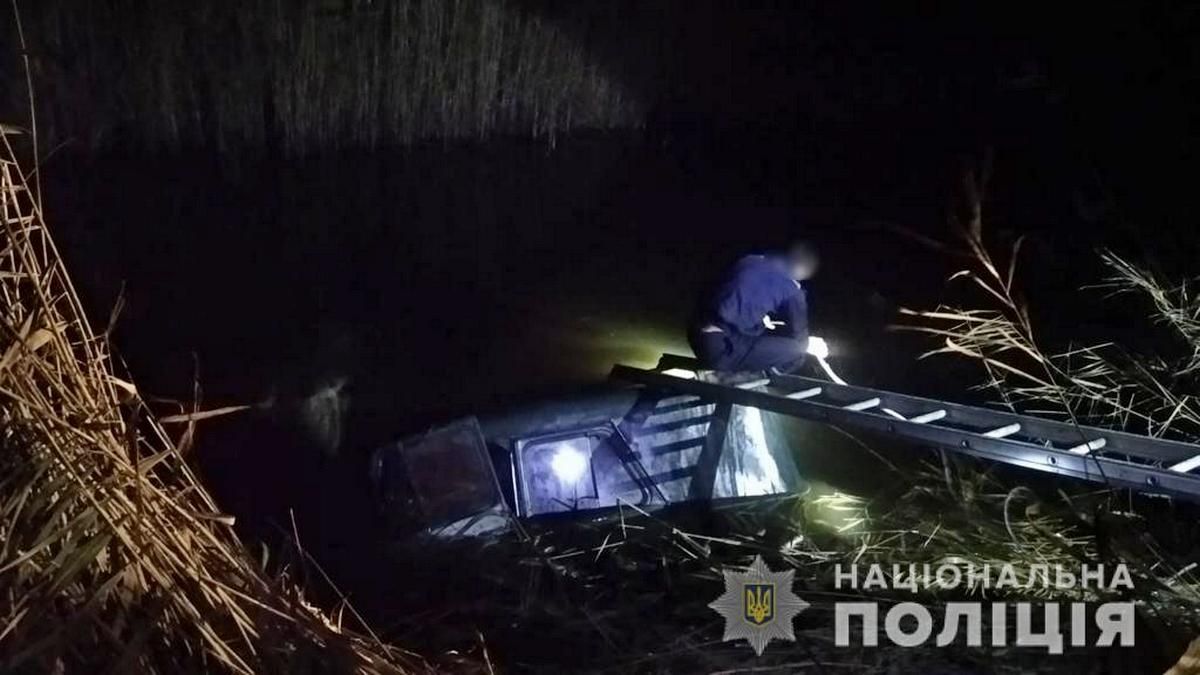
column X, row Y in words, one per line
column 683, row 373
column 1085, row 448
column 1141, row 462
column 1006, row 430
column 1187, row 464
column 863, row 405
column 926, row 418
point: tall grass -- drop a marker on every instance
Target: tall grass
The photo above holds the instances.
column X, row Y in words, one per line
column 316, row 74
column 113, row 558
column 1102, row 383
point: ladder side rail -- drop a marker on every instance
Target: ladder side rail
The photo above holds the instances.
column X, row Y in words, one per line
column 1006, row 450
column 667, row 361
column 1062, row 434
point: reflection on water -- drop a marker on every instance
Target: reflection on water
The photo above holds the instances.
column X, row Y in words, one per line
column 370, row 297
column 836, row 512
column 751, row 468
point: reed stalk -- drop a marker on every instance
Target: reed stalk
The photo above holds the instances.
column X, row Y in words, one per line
column 113, row 557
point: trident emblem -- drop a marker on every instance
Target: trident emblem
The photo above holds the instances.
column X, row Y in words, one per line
column 760, row 603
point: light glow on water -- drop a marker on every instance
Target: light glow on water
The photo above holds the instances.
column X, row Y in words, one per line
column 767, row 479
column 844, row 515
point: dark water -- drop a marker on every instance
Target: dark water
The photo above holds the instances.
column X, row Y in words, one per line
column 443, row 267
column 433, row 282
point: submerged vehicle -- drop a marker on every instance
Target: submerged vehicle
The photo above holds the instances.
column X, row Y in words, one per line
column 645, row 447
column 667, row 438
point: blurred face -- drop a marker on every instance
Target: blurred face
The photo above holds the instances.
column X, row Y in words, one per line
column 802, row 262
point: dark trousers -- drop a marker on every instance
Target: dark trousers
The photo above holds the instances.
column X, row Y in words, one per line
column 733, row 351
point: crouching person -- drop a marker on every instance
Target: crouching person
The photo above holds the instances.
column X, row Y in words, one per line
column 756, row 317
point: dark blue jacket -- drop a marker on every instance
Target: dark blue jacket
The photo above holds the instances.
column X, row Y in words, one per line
column 757, row 286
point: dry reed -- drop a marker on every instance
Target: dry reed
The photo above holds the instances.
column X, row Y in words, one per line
column 317, row 74
column 112, row 555
column 1103, row 384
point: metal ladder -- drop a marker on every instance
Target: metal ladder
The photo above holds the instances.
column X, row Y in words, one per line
column 1116, row 458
